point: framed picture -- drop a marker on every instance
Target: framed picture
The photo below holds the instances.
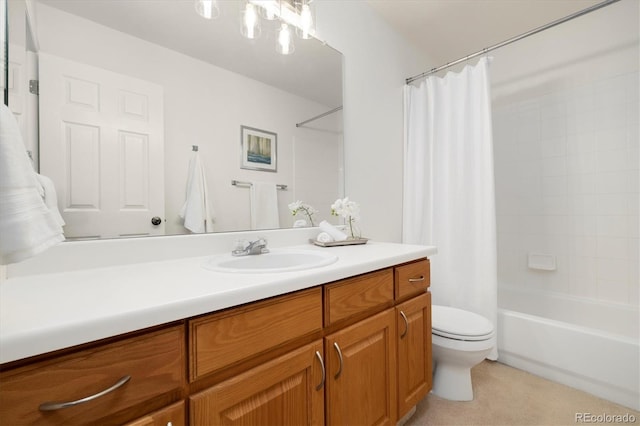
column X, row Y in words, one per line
column 258, row 149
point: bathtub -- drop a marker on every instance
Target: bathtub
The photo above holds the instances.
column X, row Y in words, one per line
column 603, row 361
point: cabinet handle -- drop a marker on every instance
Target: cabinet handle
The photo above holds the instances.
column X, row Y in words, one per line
column 416, row 280
column 406, row 325
column 324, row 373
column 52, row 406
column 335, row 345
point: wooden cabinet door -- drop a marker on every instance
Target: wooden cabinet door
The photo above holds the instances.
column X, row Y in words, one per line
column 173, row 415
column 361, row 372
column 288, row 390
column 413, row 319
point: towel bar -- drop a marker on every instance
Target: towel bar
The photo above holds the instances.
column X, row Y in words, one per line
column 240, row 183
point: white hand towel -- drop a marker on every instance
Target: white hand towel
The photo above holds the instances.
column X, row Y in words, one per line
column 49, row 196
column 264, row 206
column 323, row 237
column 27, row 226
column 196, row 210
column 335, row 233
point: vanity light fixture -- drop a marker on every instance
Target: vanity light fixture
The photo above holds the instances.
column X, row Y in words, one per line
column 269, row 10
column 250, row 27
column 306, row 20
column 291, row 13
column 285, row 44
column 207, row 8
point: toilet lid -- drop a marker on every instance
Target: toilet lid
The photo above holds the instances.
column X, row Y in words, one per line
column 459, row 324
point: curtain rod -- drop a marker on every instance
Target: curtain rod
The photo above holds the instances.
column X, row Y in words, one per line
column 319, row 116
column 513, row 39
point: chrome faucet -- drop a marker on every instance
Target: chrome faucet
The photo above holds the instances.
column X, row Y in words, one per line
column 245, row 248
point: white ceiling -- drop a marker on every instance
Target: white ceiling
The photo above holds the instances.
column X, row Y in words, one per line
column 446, row 30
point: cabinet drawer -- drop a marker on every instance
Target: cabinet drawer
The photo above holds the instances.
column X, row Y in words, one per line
column 219, row 340
column 412, row 278
column 173, row 415
column 155, row 363
column 356, row 295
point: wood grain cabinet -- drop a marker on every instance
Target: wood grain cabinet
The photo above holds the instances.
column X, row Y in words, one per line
column 354, row 351
column 222, row 339
column 412, row 279
column 288, row 390
column 173, row 415
column 413, row 322
column 361, row 372
column 413, row 319
column 108, row 384
column 353, row 297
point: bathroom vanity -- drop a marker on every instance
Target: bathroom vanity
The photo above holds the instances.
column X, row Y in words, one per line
column 348, row 343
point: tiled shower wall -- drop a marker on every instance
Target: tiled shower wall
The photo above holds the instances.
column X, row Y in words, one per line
column 567, row 180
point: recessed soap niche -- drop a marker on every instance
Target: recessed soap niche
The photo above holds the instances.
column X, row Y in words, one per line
column 541, row 261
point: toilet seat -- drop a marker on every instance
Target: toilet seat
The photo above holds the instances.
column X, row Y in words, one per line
column 458, row 324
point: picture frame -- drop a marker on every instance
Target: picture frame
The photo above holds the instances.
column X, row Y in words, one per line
column 258, row 149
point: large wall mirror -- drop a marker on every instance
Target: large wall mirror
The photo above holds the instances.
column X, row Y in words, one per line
column 4, row 47
column 128, row 88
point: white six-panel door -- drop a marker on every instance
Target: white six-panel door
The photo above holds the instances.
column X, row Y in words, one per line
column 102, row 143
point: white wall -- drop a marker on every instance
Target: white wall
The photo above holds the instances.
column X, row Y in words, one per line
column 205, row 106
column 377, row 61
column 566, row 148
column 318, row 186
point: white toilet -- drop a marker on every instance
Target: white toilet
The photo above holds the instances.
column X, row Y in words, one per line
column 461, row 340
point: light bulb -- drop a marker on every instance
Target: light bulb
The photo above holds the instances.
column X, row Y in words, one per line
column 207, row 8
column 285, row 41
column 306, row 22
column 250, row 22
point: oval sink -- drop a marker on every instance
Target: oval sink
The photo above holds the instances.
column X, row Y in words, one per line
column 277, row 260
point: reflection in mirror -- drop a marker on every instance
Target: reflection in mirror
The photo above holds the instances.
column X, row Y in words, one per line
column 4, row 57
column 128, row 88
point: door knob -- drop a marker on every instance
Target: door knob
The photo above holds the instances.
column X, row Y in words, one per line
column 155, row 221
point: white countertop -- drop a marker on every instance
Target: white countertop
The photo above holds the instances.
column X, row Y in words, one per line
column 43, row 313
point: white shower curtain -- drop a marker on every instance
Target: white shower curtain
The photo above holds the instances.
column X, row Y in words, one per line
column 449, row 196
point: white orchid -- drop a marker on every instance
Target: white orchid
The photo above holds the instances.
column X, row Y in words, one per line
column 349, row 210
column 298, row 206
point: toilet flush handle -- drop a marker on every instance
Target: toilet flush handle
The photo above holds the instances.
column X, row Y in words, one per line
column 406, row 325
